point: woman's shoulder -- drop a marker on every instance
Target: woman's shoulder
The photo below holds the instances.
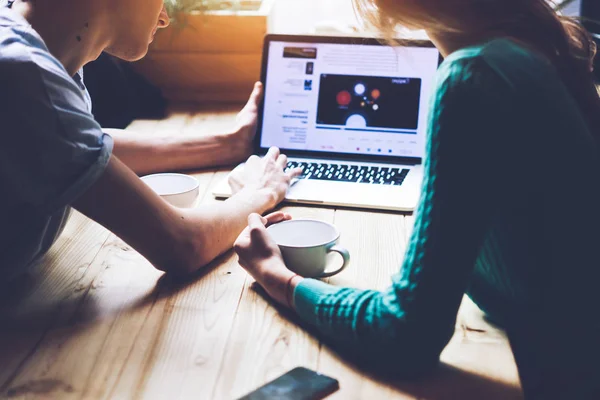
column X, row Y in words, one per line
column 499, row 48
column 503, row 61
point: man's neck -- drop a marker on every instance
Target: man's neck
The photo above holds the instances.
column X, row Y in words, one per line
column 72, row 36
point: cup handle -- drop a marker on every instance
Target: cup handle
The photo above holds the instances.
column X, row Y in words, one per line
column 345, row 255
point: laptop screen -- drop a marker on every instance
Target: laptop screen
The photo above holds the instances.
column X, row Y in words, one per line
column 359, row 98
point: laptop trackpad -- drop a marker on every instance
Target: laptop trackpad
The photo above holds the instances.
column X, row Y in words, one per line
column 303, row 189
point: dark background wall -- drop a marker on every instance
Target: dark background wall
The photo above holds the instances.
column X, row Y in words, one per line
column 119, row 94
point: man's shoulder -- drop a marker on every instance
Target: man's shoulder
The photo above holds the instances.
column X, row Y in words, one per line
column 9, row 17
column 30, row 73
column 13, row 27
column 21, row 47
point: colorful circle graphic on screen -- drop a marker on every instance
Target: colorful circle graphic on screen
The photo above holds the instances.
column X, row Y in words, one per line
column 343, row 98
column 359, row 89
column 375, row 93
column 356, row 121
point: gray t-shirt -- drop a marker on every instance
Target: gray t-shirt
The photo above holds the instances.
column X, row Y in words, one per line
column 51, row 148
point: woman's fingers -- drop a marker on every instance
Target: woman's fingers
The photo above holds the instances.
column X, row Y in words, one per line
column 257, row 228
column 257, row 225
column 276, row 217
column 255, row 221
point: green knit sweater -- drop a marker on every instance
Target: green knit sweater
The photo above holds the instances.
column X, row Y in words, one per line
column 508, row 214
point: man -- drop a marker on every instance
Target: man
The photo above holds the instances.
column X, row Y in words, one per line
column 54, row 155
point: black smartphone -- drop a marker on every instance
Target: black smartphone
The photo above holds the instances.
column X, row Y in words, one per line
column 298, row 384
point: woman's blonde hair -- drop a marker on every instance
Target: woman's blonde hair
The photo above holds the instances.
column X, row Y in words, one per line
column 534, row 23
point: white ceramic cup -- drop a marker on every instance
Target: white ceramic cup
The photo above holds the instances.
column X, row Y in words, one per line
column 305, row 243
column 178, row 189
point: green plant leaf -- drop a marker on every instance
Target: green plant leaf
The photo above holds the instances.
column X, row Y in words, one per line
column 175, row 7
column 178, row 9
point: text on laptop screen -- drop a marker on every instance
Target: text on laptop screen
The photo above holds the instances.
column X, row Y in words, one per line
column 348, row 98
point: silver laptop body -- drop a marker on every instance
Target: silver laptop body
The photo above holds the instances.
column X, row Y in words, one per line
column 352, row 112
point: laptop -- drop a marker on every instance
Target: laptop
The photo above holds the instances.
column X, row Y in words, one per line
column 352, row 112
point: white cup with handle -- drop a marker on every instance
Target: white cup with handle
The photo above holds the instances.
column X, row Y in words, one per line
column 305, row 244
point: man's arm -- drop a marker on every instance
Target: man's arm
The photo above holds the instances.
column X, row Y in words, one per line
column 147, row 154
column 173, row 239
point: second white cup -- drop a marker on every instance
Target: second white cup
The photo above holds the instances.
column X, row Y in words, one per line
column 305, row 243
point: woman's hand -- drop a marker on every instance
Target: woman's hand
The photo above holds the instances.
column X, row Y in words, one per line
column 260, row 256
column 264, row 174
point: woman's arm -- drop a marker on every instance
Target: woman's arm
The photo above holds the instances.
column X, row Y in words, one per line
column 147, row 154
column 407, row 326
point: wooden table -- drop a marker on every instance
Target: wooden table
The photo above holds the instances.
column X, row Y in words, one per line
column 96, row 320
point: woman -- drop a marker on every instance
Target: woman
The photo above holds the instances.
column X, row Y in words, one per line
column 513, row 135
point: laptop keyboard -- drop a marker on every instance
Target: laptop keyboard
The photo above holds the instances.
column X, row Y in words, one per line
column 351, row 173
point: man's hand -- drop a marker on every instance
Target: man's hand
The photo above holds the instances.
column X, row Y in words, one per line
column 182, row 152
column 245, row 123
column 264, row 175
